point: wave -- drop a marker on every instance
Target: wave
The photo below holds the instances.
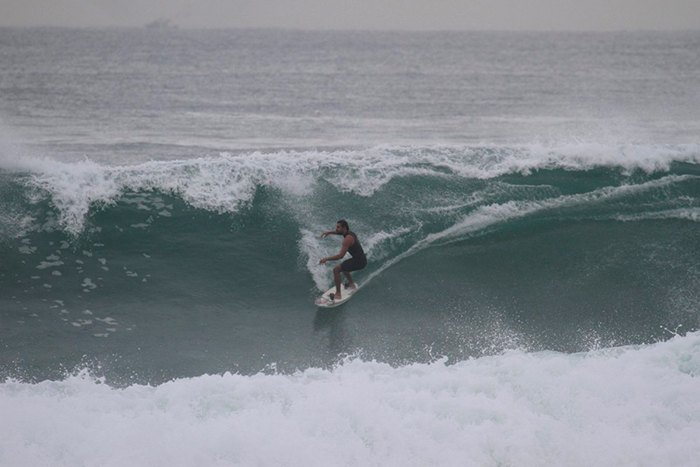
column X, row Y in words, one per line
column 228, row 183
column 401, row 199
column 625, row 406
column 462, row 262
column 486, row 216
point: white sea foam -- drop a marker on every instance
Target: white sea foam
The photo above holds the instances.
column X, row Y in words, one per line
column 375, row 246
column 227, row 183
column 47, row 264
column 635, row 406
column 485, row 216
column 690, row 214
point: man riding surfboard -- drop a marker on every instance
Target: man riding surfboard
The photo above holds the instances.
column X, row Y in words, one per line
column 350, row 245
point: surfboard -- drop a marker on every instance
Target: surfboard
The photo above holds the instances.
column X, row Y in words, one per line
column 325, row 301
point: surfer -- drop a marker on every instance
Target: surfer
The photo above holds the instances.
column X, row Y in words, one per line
column 350, row 245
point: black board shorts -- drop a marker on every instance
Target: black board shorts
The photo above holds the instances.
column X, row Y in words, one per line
column 353, row 264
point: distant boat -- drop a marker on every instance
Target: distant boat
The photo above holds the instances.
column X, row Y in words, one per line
column 161, row 24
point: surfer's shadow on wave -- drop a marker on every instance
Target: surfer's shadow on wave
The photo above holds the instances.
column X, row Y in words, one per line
column 332, row 322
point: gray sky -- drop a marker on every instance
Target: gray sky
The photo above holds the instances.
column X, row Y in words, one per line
column 361, row 14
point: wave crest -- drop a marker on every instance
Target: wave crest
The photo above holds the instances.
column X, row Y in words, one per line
column 228, row 183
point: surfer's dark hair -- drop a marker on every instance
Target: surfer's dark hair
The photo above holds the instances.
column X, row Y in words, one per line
column 343, row 223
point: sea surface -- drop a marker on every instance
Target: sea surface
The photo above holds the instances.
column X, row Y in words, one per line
column 529, row 204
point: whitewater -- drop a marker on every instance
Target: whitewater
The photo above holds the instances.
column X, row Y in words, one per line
column 226, row 183
column 627, row 406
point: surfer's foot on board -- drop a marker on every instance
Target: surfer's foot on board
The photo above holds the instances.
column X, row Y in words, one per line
column 348, row 285
column 336, row 296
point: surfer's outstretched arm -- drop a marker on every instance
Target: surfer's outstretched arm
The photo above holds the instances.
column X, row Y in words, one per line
column 330, row 232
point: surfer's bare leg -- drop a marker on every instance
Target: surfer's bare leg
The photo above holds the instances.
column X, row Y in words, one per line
column 336, row 276
column 351, row 283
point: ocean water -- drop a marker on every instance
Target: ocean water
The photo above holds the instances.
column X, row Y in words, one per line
column 529, row 204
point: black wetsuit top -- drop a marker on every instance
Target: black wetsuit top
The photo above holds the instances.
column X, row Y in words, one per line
column 358, row 260
column 356, row 250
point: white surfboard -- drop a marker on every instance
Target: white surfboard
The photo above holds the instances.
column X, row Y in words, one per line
column 325, row 300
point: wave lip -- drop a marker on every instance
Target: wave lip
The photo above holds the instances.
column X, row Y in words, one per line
column 622, row 406
column 228, row 183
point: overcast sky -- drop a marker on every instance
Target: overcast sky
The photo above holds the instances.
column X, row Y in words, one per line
column 361, row 14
